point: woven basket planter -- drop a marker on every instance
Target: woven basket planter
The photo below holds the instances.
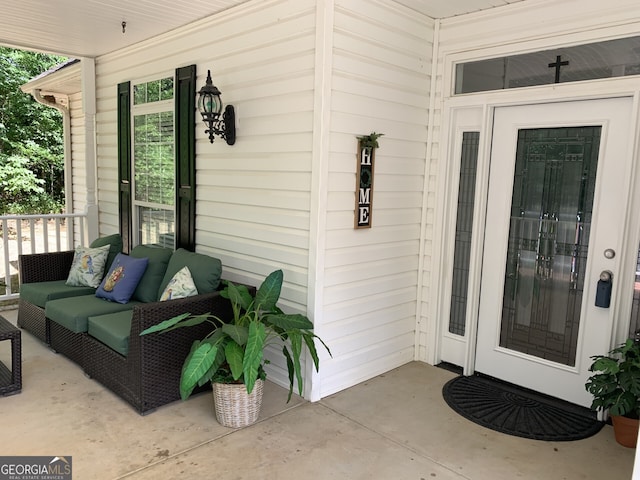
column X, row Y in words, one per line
column 235, row 407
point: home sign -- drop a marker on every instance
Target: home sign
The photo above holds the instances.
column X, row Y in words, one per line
column 364, row 179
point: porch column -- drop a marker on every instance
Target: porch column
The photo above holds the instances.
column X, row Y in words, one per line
column 325, row 12
column 88, row 78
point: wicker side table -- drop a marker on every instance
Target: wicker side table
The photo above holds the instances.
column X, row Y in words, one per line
column 11, row 380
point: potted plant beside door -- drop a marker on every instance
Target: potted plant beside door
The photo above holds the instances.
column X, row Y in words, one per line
column 231, row 354
column 615, row 387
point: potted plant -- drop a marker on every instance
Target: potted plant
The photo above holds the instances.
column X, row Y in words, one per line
column 616, row 387
column 231, row 354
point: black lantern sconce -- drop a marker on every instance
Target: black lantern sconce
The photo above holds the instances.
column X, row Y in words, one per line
column 210, row 107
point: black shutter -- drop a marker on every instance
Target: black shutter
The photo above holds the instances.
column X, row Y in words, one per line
column 124, row 163
column 185, row 157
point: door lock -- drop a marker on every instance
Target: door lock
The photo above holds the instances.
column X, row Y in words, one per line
column 603, row 291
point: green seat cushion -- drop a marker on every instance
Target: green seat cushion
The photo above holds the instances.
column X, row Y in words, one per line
column 73, row 313
column 112, row 329
column 39, row 293
column 205, row 270
column 147, row 289
column 115, row 247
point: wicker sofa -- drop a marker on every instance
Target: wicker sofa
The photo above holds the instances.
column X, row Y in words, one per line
column 103, row 337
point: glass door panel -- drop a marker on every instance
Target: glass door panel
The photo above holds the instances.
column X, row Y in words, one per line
column 551, row 209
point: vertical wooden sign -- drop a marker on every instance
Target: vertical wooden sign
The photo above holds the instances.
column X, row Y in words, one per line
column 364, row 185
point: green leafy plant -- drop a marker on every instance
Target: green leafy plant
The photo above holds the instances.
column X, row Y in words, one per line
column 616, row 384
column 232, row 352
column 371, row 140
column 31, row 138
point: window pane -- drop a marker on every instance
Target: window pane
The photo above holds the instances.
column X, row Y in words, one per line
column 154, row 158
column 166, row 89
column 153, row 91
column 139, row 94
column 613, row 58
column 156, row 226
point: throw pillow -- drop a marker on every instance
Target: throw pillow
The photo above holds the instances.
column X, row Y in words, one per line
column 147, row 289
column 180, row 286
column 87, row 266
column 205, row 270
column 115, row 243
column 123, row 277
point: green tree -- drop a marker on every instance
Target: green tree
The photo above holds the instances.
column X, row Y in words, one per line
column 31, row 138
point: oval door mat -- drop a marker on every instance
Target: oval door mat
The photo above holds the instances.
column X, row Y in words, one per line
column 515, row 411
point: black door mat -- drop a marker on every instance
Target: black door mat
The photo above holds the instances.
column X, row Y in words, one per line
column 516, row 411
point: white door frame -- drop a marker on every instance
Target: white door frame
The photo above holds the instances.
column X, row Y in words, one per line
column 481, row 107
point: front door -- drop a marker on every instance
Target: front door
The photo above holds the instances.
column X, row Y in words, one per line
column 558, row 189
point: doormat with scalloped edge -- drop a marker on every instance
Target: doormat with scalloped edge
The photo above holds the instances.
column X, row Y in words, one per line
column 513, row 410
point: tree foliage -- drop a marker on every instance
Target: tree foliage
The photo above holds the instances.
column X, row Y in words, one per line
column 31, row 138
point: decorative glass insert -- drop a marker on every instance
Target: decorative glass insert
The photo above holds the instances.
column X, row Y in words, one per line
column 154, row 91
column 551, row 209
column 464, row 224
column 612, row 58
column 634, row 325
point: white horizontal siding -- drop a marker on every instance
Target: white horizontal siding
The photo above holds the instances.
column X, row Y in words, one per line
column 78, row 162
column 253, row 198
column 380, row 82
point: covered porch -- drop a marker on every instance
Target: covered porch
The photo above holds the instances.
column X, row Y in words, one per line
column 394, row 426
column 308, row 78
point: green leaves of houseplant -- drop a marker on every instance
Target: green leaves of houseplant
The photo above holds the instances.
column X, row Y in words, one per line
column 616, row 384
column 232, row 352
column 370, row 141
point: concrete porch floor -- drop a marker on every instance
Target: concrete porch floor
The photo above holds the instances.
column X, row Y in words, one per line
column 395, row 426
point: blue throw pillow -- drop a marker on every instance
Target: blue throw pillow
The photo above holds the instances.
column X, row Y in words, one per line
column 123, row 278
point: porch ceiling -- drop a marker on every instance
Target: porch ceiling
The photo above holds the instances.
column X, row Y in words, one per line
column 90, row 28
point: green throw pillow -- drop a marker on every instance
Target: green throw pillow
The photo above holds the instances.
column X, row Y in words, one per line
column 115, row 243
column 147, row 289
column 205, row 270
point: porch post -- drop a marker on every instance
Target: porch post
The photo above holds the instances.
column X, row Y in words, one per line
column 325, row 11
column 88, row 78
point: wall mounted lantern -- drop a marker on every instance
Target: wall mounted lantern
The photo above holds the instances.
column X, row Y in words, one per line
column 210, row 107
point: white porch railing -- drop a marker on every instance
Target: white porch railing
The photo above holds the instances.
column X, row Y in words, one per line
column 23, row 234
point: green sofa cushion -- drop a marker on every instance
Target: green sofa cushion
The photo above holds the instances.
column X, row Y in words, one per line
column 112, row 329
column 115, row 247
column 73, row 312
column 147, row 289
column 39, row 293
column 205, row 270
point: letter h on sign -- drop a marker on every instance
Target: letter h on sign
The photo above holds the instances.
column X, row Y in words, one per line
column 364, row 186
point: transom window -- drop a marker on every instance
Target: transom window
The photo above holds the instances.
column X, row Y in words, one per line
column 612, row 58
